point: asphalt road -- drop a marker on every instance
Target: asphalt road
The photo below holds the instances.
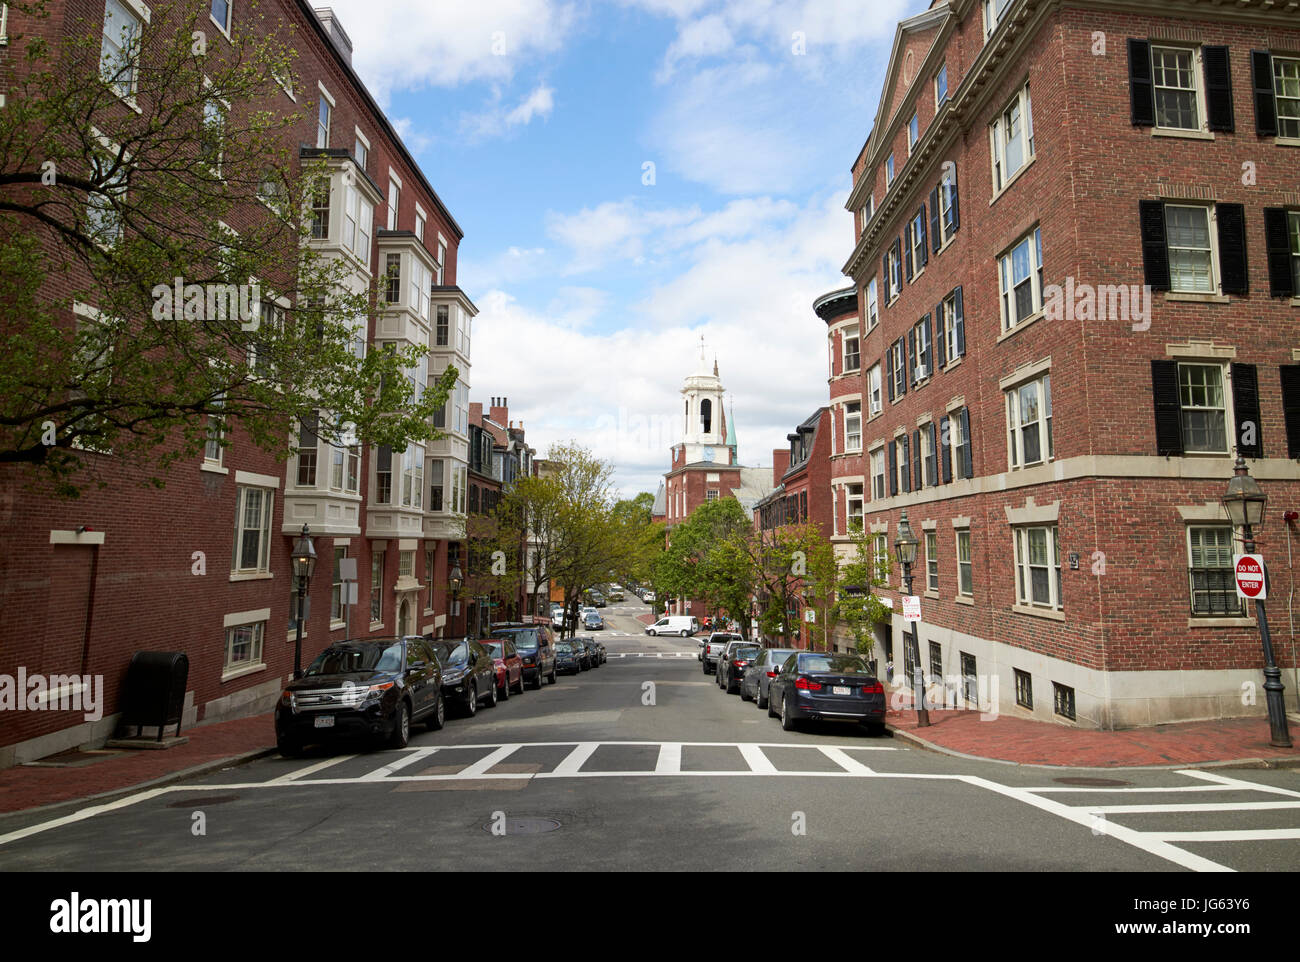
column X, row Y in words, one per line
column 644, row 764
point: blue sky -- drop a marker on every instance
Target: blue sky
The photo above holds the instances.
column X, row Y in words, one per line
column 534, row 119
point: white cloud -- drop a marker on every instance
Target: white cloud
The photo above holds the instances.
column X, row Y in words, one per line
column 411, row 44
column 705, row 37
column 496, row 121
column 512, row 265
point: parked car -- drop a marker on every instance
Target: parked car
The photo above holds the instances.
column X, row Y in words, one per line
column 597, row 599
column 536, row 647
column 761, row 671
column 469, row 675
column 713, row 648
column 369, row 687
column 593, row 621
column 568, row 658
column 509, row 666
column 832, row 687
column 616, row 594
column 648, row 597
column 601, row 655
column 735, row 659
column 683, row 625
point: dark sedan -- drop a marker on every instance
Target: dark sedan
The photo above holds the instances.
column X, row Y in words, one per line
column 372, row 687
column 568, row 658
column 737, row 662
column 469, row 674
column 759, row 674
column 827, row 687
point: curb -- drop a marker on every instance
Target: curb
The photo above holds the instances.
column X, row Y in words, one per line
column 1246, row 763
column 193, row 771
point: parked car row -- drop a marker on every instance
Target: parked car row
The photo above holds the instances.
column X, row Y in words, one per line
column 798, row 685
column 377, row 688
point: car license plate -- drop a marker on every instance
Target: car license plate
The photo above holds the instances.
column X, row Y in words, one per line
column 324, row 721
column 841, row 690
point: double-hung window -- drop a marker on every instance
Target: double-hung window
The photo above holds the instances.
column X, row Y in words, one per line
column 435, row 485
column 941, row 86
column 1210, row 571
column 954, row 334
column 244, row 646
column 853, row 427
column 1191, row 248
column 324, row 116
column 439, row 264
column 852, row 355
column 916, row 237
column 889, row 171
column 1020, row 277
column 420, row 285
column 1178, row 96
column 336, row 585
column 1038, row 567
column 1286, row 96
column 361, row 149
column 377, row 586
column 964, row 578
column 413, row 476
column 868, row 209
column 898, row 366
column 1203, row 405
column 320, row 211
column 358, row 215
column 394, row 200
column 873, row 305
column 221, row 15
column 442, row 326
column 923, row 356
column 932, row 561
column 308, row 444
column 1011, row 138
column 874, row 400
column 212, row 447
column 393, row 277
column 252, row 552
column 883, row 559
column 878, row 474
column 120, row 47
column 855, row 506
column 993, row 11
column 895, row 279
column 1029, row 422
column 913, row 132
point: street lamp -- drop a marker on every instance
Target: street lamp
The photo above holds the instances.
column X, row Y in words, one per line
column 1244, row 502
column 304, row 563
column 455, row 582
column 905, row 546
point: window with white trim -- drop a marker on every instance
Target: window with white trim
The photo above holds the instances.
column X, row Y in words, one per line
column 889, row 171
column 244, row 645
column 711, row 494
column 377, row 585
column 213, row 451
column 420, row 221
column 1211, row 580
column 867, row 211
column 104, row 222
column 1191, row 248
column 941, row 86
column 1011, row 138
column 946, row 319
column 1178, row 94
column 435, row 485
column 1020, row 279
column 221, row 15
column 873, row 305
column 120, row 47
column 439, row 264
column 358, row 217
column 394, row 202
column 421, row 281
column 428, row 579
column 361, row 150
column 853, row 427
column 913, row 132
column 212, row 132
column 1204, row 411
column 923, row 360
column 1286, row 95
column 875, row 400
column 993, row 11
column 946, row 211
column 1029, row 422
column 854, row 506
column 878, row 474
column 916, row 233
column 336, row 585
column 1293, row 231
column 883, row 559
column 1038, row 566
column 323, row 116
column 852, row 354
column 895, row 279
column 931, row 561
column 308, row 450
column 406, row 564
column 252, row 551
column 413, row 477
column 965, row 582
column 903, row 463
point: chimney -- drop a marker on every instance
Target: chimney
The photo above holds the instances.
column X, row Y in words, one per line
column 337, row 34
column 475, row 412
column 500, row 412
column 780, row 464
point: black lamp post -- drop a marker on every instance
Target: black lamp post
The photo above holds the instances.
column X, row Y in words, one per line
column 304, row 563
column 455, row 582
column 905, row 546
column 1244, row 502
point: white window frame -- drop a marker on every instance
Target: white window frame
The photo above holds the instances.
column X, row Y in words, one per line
column 881, row 553
column 394, row 198
column 100, row 212
column 1197, row 89
column 216, row 430
column 868, row 210
column 851, row 334
column 875, row 391
column 1042, row 388
column 931, row 561
column 1293, row 232
column 873, row 305
column 1212, row 251
column 895, row 274
column 264, row 539
column 852, row 438
column 948, row 323
column 878, row 474
column 1240, row 610
column 993, row 12
column 1225, row 390
column 921, row 370
column 377, row 579
column 963, row 538
column 1024, row 569
column 854, row 504
column 406, row 564
column 1002, row 176
column 223, row 113
column 889, row 171
column 421, row 222
column 140, row 13
column 256, row 647
column 360, row 148
column 902, row 465
column 913, row 132
column 945, row 209
column 940, row 98
column 337, row 608
column 323, row 129
column 1279, row 96
column 230, row 16
column 1006, row 278
column 440, row 262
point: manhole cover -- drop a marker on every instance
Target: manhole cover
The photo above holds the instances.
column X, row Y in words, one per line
column 202, row 800
column 1091, row 782
column 521, row 826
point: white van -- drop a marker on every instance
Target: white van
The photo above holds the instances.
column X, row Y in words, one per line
column 684, row 625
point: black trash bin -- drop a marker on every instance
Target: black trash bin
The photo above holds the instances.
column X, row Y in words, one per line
column 154, row 693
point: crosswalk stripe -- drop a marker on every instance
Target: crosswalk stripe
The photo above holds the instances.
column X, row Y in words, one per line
column 410, row 759
column 311, row 769
column 1195, row 807
column 1237, row 783
column 756, row 760
column 843, row 758
column 573, row 761
column 670, row 759
column 483, row 764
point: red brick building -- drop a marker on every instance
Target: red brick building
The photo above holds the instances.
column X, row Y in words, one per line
column 202, row 565
column 1077, row 254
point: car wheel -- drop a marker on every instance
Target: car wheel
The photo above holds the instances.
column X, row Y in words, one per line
column 877, row 728
column 651, row 632
column 520, row 689
column 551, row 676
column 744, row 695
column 685, row 633
column 439, row 716
column 787, row 720
column 288, row 747
column 771, row 705
column 759, row 700
column 492, row 694
column 704, row 666
column 504, row 692
column 471, row 700
column 539, row 680
column 402, row 729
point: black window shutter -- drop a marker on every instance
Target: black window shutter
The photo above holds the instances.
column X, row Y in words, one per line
column 1261, row 75
column 940, row 347
column 907, row 464
column 945, row 438
column 925, row 244
column 956, row 220
column 893, row 470
column 907, row 253
column 884, row 277
column 911, row 350
column 959, row 323
column 929, row 339
column 1277, row 245
column 917, row 481
column 936, row 234
column 1233, row 264
column 967, row 454
column 932, row 475
column 1245, row 401
column 1218, row 88
column 1141, row 91
column 889, row 372
column 902, row 365
column 1169, row 422
column 1155, row 252
column 1291, row 407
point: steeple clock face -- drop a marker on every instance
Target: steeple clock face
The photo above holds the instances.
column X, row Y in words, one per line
column 709, row 454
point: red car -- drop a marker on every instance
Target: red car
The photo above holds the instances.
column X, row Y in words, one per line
column 510, row 667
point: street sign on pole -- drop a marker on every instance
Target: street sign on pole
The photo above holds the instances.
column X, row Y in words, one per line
column 1250, row 578
column 810, row 616
column 911, row 607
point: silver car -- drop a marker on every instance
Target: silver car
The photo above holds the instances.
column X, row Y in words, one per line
column 759, row 674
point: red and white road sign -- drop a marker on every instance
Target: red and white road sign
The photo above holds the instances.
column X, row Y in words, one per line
column 911, row 607
column 1251, row 582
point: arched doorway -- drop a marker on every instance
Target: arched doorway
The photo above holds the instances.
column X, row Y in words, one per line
column 404, row 618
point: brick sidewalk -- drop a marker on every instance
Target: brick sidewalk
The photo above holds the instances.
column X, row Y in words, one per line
column 1027, row 742
column 23, row 787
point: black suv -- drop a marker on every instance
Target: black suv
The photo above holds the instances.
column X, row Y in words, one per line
column 536, row 648
column 368, row 687
column 469, row 674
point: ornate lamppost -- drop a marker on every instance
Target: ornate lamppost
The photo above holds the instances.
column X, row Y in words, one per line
column 304, row 564
column 905, row 546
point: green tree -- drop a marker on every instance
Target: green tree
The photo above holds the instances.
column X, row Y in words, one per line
column 698, row 561
column 119, row 176
column 857, row 605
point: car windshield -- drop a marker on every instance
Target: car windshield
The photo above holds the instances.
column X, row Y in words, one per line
column 749, row 651
column 525, row 639
column 563, row 647
column 362, row 656
column 845, row 664
column 451, row 652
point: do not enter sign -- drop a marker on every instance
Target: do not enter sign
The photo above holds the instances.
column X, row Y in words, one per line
column 1251, row 581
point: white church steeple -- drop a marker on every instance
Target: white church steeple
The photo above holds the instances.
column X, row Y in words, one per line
column 704, row 432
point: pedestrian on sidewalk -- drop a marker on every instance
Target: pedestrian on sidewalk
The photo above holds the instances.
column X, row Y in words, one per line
column 889, row 671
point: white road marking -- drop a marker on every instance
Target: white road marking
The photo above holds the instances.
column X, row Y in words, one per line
column 481, row 766
column 758, row 763
column 81, row 815
column 841, row 757
column 1195, row 807
column 573, row 761
column 1237, row 783
column 311, row 769
column 1244, row 835
column 1167, row 788
column 411, row 758
column 670, row 759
